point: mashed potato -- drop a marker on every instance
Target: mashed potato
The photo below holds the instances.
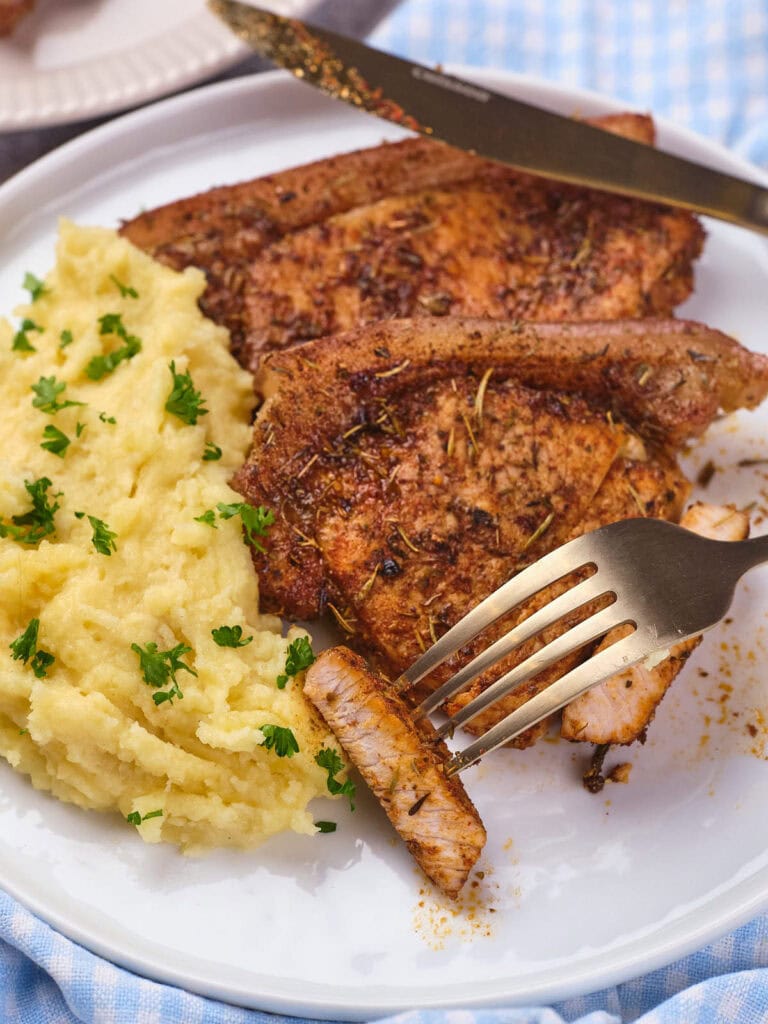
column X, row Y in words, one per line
column 126, row 564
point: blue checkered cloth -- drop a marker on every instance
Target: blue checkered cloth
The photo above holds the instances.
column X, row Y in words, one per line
column 704, row 65
column 701, row 63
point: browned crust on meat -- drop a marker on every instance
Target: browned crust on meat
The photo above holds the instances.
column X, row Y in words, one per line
column 668, row 378
column 403, row 765
column 225, row 230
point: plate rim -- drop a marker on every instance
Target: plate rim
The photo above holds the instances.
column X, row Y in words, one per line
column 197, row 49
column 689, row 932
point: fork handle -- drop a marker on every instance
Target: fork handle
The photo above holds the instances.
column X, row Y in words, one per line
column 748, row 553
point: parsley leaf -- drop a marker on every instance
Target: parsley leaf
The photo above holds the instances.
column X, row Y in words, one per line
column 32, row 526
column 34, row 286
column 208, row 518
column 184, row 401
column 55, row 441
column 103, row 538
column 48, row 390
column 212, row 452
column 255, row 520
column 329, row 759
column 135, row 818
column 298, row 657
column 230, row 636
column 41, row 662
column 325, row 826
column 25, row 647
column 280, row 739
column 65, row 338
column 21, row 342
column 100, row 366
column 125, row 290
column 158, row 667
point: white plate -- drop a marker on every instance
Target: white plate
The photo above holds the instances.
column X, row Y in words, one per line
column 75, row 59
column 579, row 891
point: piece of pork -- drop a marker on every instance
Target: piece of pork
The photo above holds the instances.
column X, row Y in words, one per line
column 620, row 709
column 403, row 765
column 432, row 459
column 235, row 231
column 507, row 247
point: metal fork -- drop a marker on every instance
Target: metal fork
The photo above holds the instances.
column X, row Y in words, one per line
column 668, row 582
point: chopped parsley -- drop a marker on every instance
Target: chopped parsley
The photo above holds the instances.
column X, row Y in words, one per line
column 25, row 648
column 160, row 667
column 298, row 657
column 47, row 391
column 79, row 428
column 184, row 401
column 230, row 636
column 34, row 286
column 279, row 739
column 65, row 338
column 103, row 538
column 325, row 826
column 107, row 419
column 208, row 518
column 255, row 520
column 212, row 452
column 21, row 342
column 55, row 441
column 100, row 366
column 135, row 818
column 32, row 526
column 329, row 759
column 126, row 291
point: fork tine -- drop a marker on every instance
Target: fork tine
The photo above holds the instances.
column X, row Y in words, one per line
column 573, row 598
column 527, row 583
column 589, row 673
column 577, row 636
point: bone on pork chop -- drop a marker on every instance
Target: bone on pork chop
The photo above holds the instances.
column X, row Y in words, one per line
column 417, row 228
column 402, row 763
column 434, row 458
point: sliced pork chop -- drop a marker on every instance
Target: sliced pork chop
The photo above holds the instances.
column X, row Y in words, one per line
column 403, row 765
column 434, row 458
column 620, row 709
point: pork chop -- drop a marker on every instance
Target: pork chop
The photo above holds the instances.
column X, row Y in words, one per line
column 434, row 458
column 234, row 232
column 402, row 763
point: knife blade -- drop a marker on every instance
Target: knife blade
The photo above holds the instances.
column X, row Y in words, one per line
column 490, row 124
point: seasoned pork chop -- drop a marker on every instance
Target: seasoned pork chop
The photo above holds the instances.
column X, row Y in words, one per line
column 620, row 709
column 235, row 231
column 402, row 764
column 435, row 458
column 504, row 247
column 12, row 12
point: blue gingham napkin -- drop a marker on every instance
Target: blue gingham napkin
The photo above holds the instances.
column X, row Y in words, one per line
column 701, row 63
column 704, row 65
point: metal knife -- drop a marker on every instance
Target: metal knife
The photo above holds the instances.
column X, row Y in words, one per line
column 494, row 126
